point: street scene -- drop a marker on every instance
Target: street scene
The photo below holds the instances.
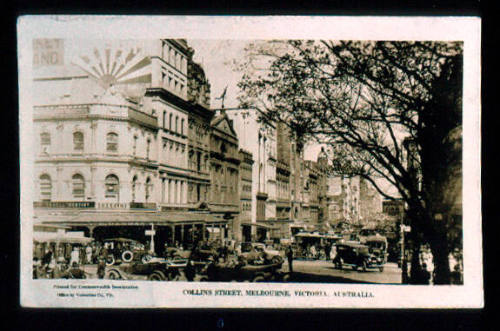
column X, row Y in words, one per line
column 270, row 161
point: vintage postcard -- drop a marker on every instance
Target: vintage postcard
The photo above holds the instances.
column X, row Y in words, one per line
column 250, row 162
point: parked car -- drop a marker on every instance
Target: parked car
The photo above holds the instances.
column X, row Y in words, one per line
column 125, row 250
column 156, row 269
column 357, row 256
column 251, row 251
column 378, row 246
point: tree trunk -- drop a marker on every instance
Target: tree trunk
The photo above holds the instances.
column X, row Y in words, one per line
column 440, row 253
column 416, row 268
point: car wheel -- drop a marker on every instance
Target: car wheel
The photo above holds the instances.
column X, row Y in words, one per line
column 110, row 260
column 113, row 274
column 157, row 276
column 259, row 279
column 127, row 256
column 173, row 275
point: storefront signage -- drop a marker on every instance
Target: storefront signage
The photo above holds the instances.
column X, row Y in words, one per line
column 48, row 52
column 64, row 204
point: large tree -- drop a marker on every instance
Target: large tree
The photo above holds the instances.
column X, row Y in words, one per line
column 385, row 110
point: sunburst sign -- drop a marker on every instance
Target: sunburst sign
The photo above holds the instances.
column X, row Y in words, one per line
column 111, row 65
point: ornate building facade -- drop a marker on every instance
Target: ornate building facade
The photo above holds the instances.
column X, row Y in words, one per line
column 122, row 144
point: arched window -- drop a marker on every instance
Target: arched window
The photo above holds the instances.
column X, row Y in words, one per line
column 164, row 119
column 170, row 122
column 45, row 188
column 182, row 126
column 176, row 124
column 148, row 147
column 134, row 187
column 78, row 141
column 149, row 189
column 45, row 141
column 78, row 186
column 112, row 187
column 112, row 142
column 134, row 147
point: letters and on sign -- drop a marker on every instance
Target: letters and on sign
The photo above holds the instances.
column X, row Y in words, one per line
column 48, row 52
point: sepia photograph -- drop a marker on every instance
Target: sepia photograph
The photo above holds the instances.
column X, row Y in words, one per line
column 198, row 163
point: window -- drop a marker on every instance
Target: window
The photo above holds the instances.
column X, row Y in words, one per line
column 78, row 186
column 112, row 187
column 45, row 188
column 134, row 187
column 78, row 141
column 163, row 190
column 149, row 189
column 182, row 126
column 148, row 148
column 45, row 141
column 164, row 119
column 176, row 124
column 135, row 145
column 170, row 122
column 112, row 142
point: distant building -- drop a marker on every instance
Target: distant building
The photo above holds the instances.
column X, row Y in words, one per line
column 259, row 140
column 342, row 199
column 370, row 202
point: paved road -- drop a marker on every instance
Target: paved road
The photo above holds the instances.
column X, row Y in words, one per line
column 320, row 272
column 324, row 272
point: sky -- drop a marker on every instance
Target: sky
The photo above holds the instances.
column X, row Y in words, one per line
column 217, row 58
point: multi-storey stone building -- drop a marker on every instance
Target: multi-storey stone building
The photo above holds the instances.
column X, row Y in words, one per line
column 243, row 224
column 260, row 141
column 224, row 170
column 114, row 132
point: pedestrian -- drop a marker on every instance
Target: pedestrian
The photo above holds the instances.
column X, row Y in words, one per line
column 425, row 275
column 328, row 249
column 82, row 255
column 88, row 253
column 313, row 251
column 75, row 256
column 289, row 255
column 101, row 265
column 190, row 271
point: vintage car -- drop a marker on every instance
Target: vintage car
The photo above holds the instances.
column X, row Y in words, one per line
column 156, row 269
column 254, row 251
column 357, row 256
column 378, row 246
column 365, row 233
column 227, row 272
column 125, row 250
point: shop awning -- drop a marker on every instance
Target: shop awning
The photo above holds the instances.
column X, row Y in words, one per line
column 60, row 238
column 138, row 218
column 259, row 225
